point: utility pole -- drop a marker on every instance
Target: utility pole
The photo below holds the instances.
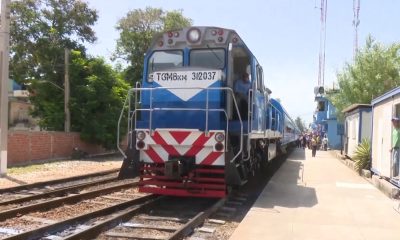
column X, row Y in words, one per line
column 67, row 119
column 4, row 82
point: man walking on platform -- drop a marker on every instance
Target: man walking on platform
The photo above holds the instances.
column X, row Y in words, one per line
column 314, row 145
column 395, row 147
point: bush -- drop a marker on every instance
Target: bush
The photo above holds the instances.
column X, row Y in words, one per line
column 362, row 155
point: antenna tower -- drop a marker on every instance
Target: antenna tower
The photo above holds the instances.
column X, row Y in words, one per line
column 321, row 68
column 356, row 22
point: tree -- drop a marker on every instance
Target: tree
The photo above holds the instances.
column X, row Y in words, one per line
column 136, row 32
column 374, row 72
column 97, row 95
column 300, row 124
column 40, row 31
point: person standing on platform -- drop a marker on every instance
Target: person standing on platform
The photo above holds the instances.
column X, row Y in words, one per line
column 298, row 141
column 304, row 141
column 395, row 147
column 314, row 145
column 308, row 137
column 325, row 143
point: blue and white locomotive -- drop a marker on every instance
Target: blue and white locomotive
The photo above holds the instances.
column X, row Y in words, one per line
column 188, row 129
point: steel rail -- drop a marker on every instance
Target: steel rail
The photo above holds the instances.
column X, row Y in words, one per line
column 113, row 221
column 58, row 192
column 62, row 225
column 56, row 181
column 4, row 215
column 196, row 221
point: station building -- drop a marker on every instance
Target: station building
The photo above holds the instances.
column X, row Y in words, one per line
column 325, row 122
column 357, row 126
column 384, row 108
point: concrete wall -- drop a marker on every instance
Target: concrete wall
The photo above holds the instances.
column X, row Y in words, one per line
column 334, row 140
column 26, row 146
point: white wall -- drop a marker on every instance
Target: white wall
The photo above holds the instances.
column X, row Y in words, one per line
column 352, row 133
column 366, row 125
column 381, row 139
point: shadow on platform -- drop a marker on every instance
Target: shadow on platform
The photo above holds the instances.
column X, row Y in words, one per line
column 287, row 187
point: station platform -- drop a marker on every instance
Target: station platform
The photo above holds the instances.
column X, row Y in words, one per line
column 319, row 198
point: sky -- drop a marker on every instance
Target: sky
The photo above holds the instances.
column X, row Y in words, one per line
column 282, row 34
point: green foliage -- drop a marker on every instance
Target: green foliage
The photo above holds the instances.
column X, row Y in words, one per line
column 40, row 31
column 136, row 32
column 362, row 155
column 97, row 95
column 374, row 72
column 300, row 124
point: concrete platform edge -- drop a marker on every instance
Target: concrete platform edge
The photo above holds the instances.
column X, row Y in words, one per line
column 384, row 186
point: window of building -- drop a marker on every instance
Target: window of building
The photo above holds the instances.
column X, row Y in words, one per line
column 397, row 110
column 321, row 106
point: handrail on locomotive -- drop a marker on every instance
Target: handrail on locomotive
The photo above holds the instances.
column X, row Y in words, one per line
column 133, row 116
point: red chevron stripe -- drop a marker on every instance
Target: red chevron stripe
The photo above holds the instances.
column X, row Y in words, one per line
column 210, row 159
column 154, row 155
column 180, row 136
column 198, row 145
column 169, row 148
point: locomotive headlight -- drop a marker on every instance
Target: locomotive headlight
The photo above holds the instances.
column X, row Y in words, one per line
column 219, row 137
column 140, row 135
column 193, row 35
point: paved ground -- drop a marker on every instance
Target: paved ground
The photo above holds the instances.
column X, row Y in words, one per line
column 58, row 169
column 319, row 198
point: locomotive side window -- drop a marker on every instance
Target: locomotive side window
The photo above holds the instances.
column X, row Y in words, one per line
column 241, row 61
column 208, row 58
column 162, row 60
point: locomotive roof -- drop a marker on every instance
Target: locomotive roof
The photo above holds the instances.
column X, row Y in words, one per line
column 208, row 35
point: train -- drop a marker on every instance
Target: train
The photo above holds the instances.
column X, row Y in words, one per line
column 190, row 132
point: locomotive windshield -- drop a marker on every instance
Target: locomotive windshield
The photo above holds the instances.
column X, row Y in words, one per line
column 208, row 58
column 162, row 60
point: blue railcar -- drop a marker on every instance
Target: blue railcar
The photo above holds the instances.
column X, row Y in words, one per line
column 191, row 132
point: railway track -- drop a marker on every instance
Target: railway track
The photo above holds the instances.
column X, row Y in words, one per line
column 28, row 216
column 15, row 198
column 54, row 188
column 134, row 217
column 164, row 218
column 119, row 212
column 62, row 182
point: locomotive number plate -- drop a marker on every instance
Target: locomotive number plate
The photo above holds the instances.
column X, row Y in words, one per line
column 186, row 76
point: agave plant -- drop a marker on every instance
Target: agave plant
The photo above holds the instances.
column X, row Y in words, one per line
column 362, row 155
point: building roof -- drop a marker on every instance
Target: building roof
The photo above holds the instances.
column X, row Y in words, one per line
column 355, row 106
column 386, row 95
